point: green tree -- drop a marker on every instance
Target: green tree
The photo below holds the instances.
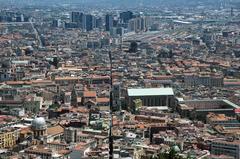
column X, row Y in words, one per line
column 55, row 62
column 172, row 154
column 54, row 106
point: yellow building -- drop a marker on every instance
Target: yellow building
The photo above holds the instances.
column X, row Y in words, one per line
column 8, row 138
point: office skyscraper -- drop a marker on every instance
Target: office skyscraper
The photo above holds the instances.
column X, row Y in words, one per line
column 126, row 16
column 99, row 22
column 55, row 23
column 75, row 17
column 109, row 22
column 88, row 22
column 137, row 24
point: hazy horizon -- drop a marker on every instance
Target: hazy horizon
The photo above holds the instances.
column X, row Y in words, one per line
column 125, row 3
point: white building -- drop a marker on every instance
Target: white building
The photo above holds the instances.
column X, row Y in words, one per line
column 151, row 97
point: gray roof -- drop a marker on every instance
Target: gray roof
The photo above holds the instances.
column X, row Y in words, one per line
column 150, row 92
column 23, row 62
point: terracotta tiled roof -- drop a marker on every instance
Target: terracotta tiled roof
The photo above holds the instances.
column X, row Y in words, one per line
column 102, row 100
column 18, row 82
column 89, row 94
column 66, row 78
column 55, row 130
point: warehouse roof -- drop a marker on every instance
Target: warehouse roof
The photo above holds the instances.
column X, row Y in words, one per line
column 150, row 92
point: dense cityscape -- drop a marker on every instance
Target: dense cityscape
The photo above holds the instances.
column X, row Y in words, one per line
column 115, row 79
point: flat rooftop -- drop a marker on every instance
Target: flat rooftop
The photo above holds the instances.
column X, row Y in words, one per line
column 210, row 104
column 150, row 92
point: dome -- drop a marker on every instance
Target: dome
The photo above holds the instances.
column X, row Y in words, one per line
column 39, row 124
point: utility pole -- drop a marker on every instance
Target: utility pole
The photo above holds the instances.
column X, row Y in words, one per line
column 111, row 108
column 232, row 12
